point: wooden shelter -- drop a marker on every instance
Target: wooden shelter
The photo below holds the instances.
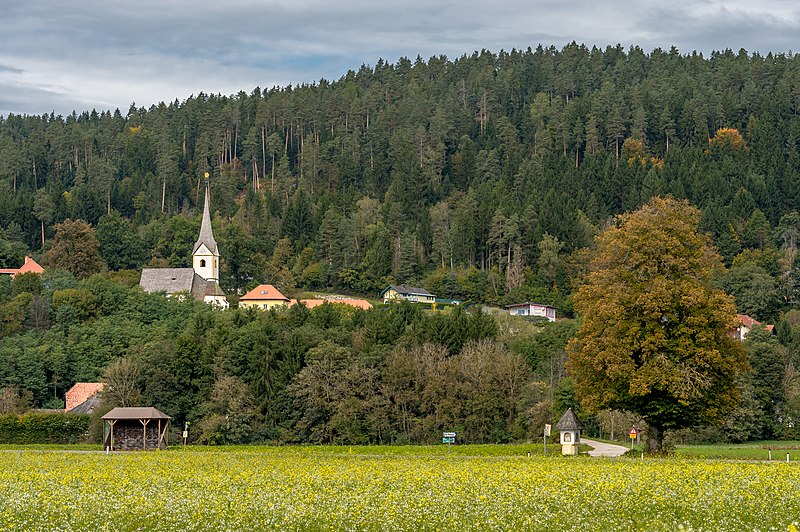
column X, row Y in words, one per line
column 135, row 428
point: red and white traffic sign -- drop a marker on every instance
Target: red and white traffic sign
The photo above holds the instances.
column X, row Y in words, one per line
column 633, row 432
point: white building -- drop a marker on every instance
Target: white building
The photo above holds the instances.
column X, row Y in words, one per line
column 202, row 279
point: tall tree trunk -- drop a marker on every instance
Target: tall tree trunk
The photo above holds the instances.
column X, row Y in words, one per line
column 163, row 193
column 264, row 150
column 42, row 235
column 655, row 438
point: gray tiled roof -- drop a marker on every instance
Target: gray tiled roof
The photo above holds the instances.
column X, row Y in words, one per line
column 569, row 421
column 86, row 407
column 206, row 234
column 213, row 289
column 169, row 280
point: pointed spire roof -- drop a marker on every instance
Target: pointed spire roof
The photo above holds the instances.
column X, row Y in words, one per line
column 206, row 234
column 569, row 421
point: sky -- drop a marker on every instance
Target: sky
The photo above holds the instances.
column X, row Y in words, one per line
column 59, row 56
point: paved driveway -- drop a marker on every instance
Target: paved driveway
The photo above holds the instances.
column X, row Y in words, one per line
column 605, row 449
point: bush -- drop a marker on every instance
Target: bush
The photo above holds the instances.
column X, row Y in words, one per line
column 39, row 428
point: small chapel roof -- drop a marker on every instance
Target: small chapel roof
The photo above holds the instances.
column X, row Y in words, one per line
column 206, row 234
column 569, row 421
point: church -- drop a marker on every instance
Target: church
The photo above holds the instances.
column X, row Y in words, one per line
column 202, row 279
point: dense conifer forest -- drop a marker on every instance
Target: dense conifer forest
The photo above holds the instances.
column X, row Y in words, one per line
column 483, row 178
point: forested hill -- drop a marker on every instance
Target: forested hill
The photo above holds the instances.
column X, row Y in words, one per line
column 477, row 177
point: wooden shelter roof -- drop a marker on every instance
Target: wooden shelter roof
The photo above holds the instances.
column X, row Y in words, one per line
column 136, row 412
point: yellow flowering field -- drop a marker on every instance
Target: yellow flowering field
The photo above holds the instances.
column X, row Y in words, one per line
column 309, row 489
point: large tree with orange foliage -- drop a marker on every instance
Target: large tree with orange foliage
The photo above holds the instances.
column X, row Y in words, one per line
column 653, row 330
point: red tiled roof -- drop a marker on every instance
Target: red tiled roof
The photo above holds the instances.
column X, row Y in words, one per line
column 81, row 392
column 311, row 303
column 264, row 291
column 30, row 265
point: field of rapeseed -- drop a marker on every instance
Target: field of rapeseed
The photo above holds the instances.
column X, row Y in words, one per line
column 300, row 488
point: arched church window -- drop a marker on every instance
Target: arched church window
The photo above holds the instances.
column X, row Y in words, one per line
column 202, row 263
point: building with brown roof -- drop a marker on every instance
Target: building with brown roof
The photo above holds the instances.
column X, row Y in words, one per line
column 135, row 429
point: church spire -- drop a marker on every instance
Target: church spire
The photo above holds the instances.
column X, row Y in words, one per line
column 206, row 234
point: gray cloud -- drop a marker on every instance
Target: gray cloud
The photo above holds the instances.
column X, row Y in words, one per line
column 57, row 55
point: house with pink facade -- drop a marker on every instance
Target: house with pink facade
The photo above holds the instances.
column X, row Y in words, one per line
column 536, row 310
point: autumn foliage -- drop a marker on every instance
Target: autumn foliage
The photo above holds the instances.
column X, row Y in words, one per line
column 653, row 332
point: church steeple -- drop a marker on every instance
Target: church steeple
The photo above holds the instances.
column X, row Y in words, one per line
column 205, row 256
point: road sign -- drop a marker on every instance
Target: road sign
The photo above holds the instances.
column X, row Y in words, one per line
column 633, row 433
column 547, row 429
column 448, row 440
column 449, row 435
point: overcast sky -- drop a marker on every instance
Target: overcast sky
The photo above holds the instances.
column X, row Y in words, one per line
column 60, row 56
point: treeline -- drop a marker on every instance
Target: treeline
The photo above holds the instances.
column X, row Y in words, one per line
column 490, row 169
column 332, row 374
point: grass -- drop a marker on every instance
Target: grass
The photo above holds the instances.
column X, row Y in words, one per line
column 382, row 488
column 743, row 451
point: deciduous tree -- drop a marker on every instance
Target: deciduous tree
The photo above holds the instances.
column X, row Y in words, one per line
column 653, row 335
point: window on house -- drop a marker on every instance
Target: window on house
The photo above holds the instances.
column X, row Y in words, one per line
column 202, row 263
column 567, row 437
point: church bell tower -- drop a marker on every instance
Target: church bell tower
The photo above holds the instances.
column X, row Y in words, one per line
column 205, row 256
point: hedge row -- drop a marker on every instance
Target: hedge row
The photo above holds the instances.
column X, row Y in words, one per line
column 35, row 428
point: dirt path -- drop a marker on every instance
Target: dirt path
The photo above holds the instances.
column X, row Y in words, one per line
column 605, row 449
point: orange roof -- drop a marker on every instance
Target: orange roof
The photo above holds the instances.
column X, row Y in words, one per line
column 749, row 322
column 264, row 291
column 30, row 265
column 358, row 303
column 81, row 392
column 311, row 303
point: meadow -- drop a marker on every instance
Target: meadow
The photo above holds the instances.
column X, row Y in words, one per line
column 315, row 488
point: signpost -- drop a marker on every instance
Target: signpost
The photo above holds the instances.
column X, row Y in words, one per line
column 633, row 433
column 547, row 428
column 448, row 438
column 185, row 434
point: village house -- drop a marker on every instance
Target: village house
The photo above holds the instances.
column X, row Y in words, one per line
column 29, row 265
column 83, row 397
column 532, row 309
column 201, row 281
column 746, row 324
column 264, row 296
column 408, row 293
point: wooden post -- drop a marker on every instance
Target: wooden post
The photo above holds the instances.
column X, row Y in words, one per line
column 144, row 423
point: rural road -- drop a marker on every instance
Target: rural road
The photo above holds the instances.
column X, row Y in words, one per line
column 604, row 449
